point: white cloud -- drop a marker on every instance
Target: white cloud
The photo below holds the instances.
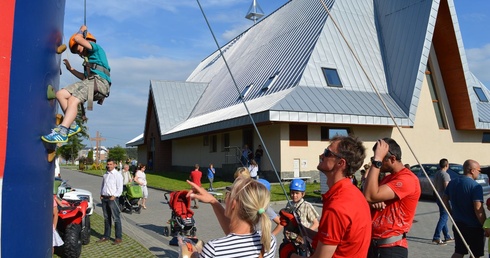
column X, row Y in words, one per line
column 479, row 62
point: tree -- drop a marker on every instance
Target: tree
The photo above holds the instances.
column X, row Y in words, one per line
column 117, row 153
column 70, row 150
column 132, row 152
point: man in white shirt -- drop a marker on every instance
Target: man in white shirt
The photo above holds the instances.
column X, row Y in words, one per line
column 111, row 189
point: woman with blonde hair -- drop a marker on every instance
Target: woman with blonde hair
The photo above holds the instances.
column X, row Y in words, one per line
column 242, row 171
column 246, row 201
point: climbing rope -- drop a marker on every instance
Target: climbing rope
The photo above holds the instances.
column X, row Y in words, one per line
column 245, row 104
column 354, row 54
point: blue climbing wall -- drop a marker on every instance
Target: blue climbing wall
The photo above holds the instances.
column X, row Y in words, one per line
column 27, row 202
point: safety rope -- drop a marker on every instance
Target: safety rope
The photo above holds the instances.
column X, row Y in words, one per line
column 354, row 54
column 245, row 104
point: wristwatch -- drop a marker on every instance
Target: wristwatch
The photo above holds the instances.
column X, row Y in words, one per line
column 376, row 163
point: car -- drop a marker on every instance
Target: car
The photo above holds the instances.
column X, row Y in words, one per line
column 454, row 171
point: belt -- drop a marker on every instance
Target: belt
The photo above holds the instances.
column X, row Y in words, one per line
column 389, row 240
column 106, row 196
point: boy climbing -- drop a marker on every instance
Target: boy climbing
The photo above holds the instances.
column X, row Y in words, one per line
column 94, row 85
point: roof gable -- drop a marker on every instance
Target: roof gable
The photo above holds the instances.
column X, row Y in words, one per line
column 280, row 43
column 174, row 101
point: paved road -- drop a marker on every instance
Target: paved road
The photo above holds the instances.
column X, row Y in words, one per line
column 147, row 227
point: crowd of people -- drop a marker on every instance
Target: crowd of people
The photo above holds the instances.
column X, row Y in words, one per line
column 366, row 218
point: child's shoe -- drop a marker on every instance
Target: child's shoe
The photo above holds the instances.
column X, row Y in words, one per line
column 55, row 137
column 74, row 129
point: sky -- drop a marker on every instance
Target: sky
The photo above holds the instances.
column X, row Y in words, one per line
column 166, row 39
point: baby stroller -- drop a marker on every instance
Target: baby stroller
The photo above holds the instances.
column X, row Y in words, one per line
column 130, row 199
column 182, row 221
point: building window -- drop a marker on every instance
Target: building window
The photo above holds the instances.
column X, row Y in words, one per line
column 486, row 138
column 225, row 141
column 298, row 135
column 332, row 77
column 481, row 95
column 270, row 81
column 327, row 133
column 436, row 101
column 205, row 140
column 246, row 90
column 213, row 146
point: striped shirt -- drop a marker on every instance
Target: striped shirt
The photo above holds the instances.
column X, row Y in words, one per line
column 235, row 246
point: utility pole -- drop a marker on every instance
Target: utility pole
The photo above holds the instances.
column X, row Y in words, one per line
column 98, row 139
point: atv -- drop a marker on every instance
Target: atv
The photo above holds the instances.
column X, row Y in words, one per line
column 74, row 218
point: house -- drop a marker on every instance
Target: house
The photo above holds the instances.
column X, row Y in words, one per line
column 302, row 85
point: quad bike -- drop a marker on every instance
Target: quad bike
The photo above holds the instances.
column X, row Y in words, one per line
column 74, row 219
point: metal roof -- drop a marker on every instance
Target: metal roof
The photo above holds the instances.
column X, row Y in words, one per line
column 391, row 38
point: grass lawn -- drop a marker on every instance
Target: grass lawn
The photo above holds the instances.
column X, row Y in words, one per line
column 174, row 181
column 128, row 248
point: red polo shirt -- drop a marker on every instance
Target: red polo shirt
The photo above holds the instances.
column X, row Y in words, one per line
column 398, row 215
column 345, row 221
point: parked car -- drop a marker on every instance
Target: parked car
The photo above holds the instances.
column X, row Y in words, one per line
column 454, row 171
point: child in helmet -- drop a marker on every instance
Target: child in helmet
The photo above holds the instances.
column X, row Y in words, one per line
column 305, row 210
column 97, row 74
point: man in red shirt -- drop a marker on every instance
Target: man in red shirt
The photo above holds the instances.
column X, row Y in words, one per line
column 195, row 177
column 345, row 225
column 393, row 200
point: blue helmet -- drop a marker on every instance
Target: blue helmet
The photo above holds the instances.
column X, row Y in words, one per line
column 265, row 183
column 297, row 184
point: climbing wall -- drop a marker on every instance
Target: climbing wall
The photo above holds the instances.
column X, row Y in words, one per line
column 30, row 33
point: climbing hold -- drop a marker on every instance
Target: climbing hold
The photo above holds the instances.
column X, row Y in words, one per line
column 51, row 155
column 59, row 119
column 51, row 92
column 61, row 49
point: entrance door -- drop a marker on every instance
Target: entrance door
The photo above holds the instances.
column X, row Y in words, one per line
column 296, row 168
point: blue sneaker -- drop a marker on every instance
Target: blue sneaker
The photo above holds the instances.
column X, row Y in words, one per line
column 54, row 137
column 74, row 130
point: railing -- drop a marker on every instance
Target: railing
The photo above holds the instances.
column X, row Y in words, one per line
column 233, row 155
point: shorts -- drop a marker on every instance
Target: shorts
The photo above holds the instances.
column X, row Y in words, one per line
column 474, row 237
column 79, row 89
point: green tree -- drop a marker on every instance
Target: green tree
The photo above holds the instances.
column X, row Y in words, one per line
column 70, row 150
column 90, row 157
column 132, row 152
column 117, row 153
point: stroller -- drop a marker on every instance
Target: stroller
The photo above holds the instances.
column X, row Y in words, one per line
column 182, row 221
column 129, row 200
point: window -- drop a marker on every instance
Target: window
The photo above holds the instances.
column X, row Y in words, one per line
column 246, row 90
column 436, row 102
column 332, row 77
column 270, row 81
column 213, row 147
column 225, row 141
column 481, row 95
column 327, row 133
column 298, row 135
column 486, row 138
column 205, row 140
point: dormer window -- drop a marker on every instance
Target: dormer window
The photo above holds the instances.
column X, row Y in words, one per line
column 481, row 95
column 246, row 90
column 270, row 81
column 332, row 77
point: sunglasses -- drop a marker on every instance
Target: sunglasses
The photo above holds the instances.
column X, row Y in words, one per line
column 329, row 153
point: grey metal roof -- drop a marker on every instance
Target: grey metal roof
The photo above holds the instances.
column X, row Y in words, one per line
column 281, row 42
column 392, row 39
column 174, row 101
